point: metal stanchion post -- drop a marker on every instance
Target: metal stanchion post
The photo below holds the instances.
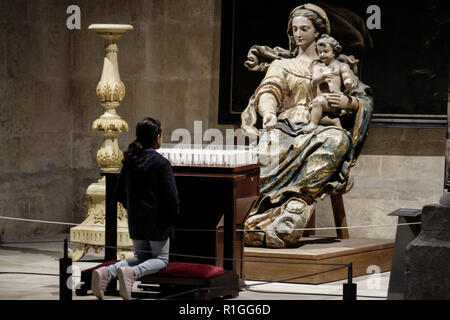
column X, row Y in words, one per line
column 110, row 217
column 349, row 288
column 111, row 225
column 65, row 276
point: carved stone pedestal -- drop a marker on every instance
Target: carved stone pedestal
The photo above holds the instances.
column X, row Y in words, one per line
column 91, row 233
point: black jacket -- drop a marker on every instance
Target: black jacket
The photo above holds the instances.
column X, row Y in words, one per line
column 146, row 188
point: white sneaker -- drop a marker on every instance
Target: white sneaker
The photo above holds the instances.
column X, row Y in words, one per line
column 100, row 280
column 126, row 280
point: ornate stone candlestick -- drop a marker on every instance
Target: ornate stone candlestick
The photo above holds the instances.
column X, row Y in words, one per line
column 110, row 91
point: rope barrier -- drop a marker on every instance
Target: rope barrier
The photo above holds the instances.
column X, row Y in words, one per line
column 299, row 277
column 222, row 258
column 314, row 294
column 286, row 280
column 52, row 222
column 30, row 273
column 30, row 241
column 256, row 284
column 335, row 228
column 299, row 293
column 214, row 230
column 262, row 291
column 190, row 256
column 181, row 293
column 339, row 266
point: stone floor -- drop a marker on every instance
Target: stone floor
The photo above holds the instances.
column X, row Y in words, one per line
column 29, row 271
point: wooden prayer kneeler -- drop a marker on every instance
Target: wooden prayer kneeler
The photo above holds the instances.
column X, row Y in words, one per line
column 210, row 281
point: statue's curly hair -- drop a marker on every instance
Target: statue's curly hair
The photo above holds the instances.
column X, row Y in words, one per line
column 334, row 44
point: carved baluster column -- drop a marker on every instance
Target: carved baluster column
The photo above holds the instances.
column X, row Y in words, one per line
column 110, row 91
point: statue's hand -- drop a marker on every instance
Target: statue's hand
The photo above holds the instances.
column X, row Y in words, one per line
column 269, row 121
column 338, row 100
column 328, row 76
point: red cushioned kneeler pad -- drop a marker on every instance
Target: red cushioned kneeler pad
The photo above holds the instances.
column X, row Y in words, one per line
column 190, row 270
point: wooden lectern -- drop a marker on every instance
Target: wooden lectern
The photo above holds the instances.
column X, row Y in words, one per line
column 209, row 195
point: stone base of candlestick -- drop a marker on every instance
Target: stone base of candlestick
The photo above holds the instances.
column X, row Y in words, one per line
column 90, row 234
column 427, row 256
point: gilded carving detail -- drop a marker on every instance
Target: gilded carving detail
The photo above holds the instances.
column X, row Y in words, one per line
column 105, row 124
column 108, row 92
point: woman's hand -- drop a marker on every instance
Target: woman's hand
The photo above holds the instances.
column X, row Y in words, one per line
column 267, row 106
column 269, row 121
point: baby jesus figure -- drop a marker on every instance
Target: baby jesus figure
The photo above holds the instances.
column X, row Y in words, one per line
column 326, row 77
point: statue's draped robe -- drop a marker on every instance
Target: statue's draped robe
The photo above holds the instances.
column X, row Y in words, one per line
column 302, row 164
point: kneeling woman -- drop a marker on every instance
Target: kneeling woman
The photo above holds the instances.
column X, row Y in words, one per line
column 146, row 188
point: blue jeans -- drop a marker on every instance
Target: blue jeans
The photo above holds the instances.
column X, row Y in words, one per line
column 144, row 263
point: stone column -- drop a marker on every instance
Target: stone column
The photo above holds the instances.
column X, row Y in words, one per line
column 427, row 258
column 110, row 91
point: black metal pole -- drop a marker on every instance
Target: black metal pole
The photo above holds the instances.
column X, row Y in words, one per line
column 349, row 288
column 229, row 228
column 110, row 217
column 110, row 225
column 350, row 273
column 65, row 276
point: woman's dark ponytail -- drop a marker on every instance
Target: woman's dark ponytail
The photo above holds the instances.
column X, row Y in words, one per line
column 147, row 131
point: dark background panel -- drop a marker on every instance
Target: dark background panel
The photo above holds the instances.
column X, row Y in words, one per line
column 405, row 61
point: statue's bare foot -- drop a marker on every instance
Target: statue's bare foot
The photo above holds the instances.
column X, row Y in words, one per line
column 273, row 241
column 254, row 239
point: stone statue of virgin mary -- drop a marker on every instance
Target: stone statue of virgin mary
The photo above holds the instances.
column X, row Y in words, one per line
column 298, row 166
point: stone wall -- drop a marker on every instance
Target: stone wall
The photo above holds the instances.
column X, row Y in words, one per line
column 170, row 66
column 397, row 168
column 36, row 179
column 48, row 75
